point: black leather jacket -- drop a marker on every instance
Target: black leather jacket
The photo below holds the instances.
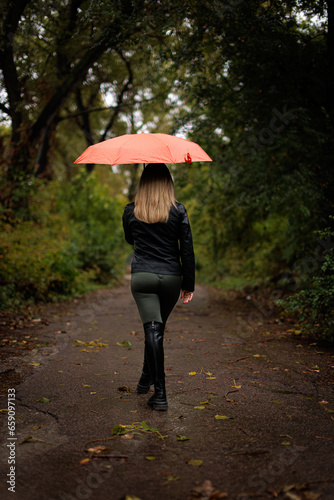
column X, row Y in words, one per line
column 159, row 247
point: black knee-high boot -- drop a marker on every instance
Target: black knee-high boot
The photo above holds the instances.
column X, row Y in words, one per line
column 154, row 335
column 145, row 380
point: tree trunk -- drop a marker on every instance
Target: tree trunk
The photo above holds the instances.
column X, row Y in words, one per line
column 330, row 52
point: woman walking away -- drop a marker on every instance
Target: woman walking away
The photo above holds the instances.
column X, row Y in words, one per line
column 163, row 265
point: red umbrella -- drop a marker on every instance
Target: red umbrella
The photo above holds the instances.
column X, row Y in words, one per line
column 143, row 148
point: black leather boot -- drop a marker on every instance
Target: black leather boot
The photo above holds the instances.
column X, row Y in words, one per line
column 154, row 336
column 145, row 380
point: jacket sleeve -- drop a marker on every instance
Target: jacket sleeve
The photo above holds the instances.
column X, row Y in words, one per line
column 127, row 232
column 187, row 252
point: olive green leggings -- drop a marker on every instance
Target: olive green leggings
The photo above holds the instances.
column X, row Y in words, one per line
column 155, row 295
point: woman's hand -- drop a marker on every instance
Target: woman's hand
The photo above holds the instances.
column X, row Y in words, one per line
column 186, row 296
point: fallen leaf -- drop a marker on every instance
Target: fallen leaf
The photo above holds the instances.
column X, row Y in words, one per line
column 196, row 463
column 29, row 438
column 44, row 400
column 98, row 449
column 119, row 429
column 25, row 440
column 222, row 417
column 206, row 492
column 127, row 436
column 124, row 388
column 292, row 492
column 182, row 438
column 84, row 461
column 199, row 407
column 125, row 343
column 171, row 478
column 327, row 409
column 150, row 458
column 192, row 373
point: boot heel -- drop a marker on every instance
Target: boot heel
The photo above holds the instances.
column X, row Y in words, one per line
column 159, row 406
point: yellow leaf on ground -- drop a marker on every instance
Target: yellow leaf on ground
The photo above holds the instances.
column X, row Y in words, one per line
column 84, row 461
column 196, row 463
column 171, row 478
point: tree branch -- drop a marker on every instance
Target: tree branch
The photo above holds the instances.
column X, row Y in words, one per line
column 7, row 64
column 125, row 88
column 4, row 109
column 105, row 108
column 51, row 109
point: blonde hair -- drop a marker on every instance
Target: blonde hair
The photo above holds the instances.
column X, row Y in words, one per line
column 155, row 195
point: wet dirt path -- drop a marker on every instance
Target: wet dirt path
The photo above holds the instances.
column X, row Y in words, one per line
column 251, row 409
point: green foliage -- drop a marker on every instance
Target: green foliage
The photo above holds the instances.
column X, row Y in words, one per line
column 233, row 244
column 314, row 304
column 36, row 263
column 97, row 233
column 257, row 102
column 72, row 241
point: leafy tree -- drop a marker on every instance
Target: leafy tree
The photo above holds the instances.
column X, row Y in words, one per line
column 49, row 50
column 260, row 99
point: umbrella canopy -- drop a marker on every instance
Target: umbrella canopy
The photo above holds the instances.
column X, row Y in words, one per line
column 143, row 148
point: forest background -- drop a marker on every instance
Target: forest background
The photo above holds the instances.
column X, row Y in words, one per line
column 250, row 81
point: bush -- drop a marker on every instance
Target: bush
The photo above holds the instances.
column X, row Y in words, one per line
column 34, row 265
column 314, row 304
column 96, row 225
column 72, row 241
